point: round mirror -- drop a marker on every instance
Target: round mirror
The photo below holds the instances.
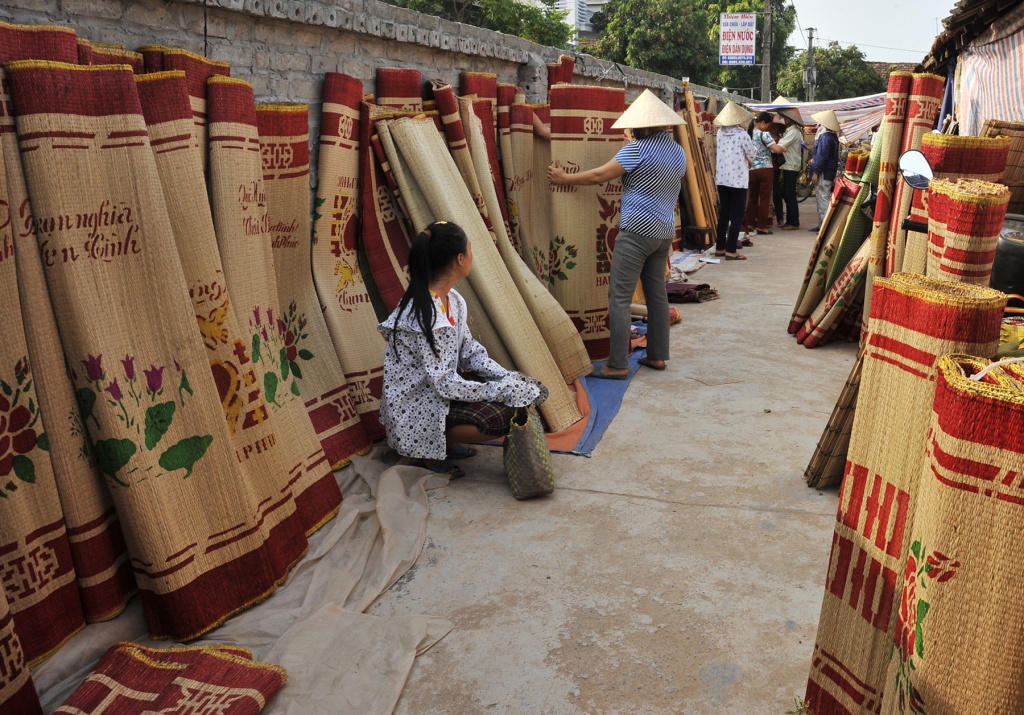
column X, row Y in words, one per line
column 915, row 169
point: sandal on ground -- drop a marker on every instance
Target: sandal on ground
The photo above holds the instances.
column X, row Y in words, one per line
column 653, row 364
column 737, row 257
column 599, row 372
column 460, row 451
column 719, row 253
column 445, row 466
column 765, row 233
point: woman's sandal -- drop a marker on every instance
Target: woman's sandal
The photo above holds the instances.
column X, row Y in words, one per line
column 445, row 466
column 599, row 372
column 653, row 364
column 460, row 451
column 737, row 257
column 719, row 253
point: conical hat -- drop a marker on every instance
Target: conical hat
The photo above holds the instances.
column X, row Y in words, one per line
column 647, row 111
column 828, row 119
column 732, row 115
column 791, row 113
column 780, row 100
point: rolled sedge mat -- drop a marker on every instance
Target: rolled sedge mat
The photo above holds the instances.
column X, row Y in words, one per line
column 272, row 445
column 816, row 282
column 913, row 321
column 384, row 239
column 17, row 691
column 506, row 97
column 523, row 194
column 132, row 680
column 37, row 571
column 239, row 207
column 204, row 542
column 197, row 70
column 1013, row 177
column 952, row 157
column 960, row 580
column 485, row 86
column 858, row 225
column 307, row 350
column 890, row 134
column 420, row 214
column 560, row 335
column 585, row 218
column 923, row 106
column 439, row 179
column 485, row 111
column 98, row 53
column 98, row 550
column 841, row 295
column 561, row 72
column 348, row 312
column 829, row 459
column 400, row 88
column 965, row 218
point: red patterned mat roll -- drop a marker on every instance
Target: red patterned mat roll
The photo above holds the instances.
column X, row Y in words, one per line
column 308, row 350
column 351, row 320
column 956, row 646
column 132, row 680
column 399, row 88
column 97, row 53
column 485, row 86
column 891, row 136
column 964, row 221
column 485, row 111
column 97, row 545
column 913, row 321
column 585, row 219
column 157, row 432
column 239, row 203
column 17, row 692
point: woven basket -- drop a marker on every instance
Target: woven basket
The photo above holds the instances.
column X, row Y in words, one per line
column 952, row 157
column 822, row 255
column 560, row 335
column 965, row 218
column 241, row 223
column 913, row 320
column 400, row 88
column 97, row 53
column 97, row 544
column 158, row 433
column 959, row 581
column 38, row 572
column 1013, row 176
column 348, row 312
column 923, row 105
column 308, row 350
column 438, row 177
column 584, row 218
column 527, row 458
column 201, row 679
column 272, row 445
column 890, row 135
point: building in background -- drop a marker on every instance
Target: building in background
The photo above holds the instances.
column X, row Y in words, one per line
column 578, row 13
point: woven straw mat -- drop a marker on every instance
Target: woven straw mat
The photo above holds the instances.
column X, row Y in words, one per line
column 400, row 88
column 965, row 218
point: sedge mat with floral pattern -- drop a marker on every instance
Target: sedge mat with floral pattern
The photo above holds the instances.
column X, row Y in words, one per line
column 913, row 321
column 17, row 691
column 222, row 543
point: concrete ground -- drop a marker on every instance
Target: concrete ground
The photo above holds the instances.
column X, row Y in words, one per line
column 680, row 569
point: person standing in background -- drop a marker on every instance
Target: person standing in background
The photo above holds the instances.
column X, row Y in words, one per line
column 762, row 178
column 790, row 146
column 826, row 160
column 736, row 151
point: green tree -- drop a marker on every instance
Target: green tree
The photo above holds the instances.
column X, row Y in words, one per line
column 841, row 73
column 783, row 24
column 540, row 23
column 669, row 37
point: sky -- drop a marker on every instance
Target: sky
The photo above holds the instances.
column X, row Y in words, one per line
column 884, row 30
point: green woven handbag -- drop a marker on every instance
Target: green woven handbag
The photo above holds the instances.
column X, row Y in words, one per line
column 527, row 457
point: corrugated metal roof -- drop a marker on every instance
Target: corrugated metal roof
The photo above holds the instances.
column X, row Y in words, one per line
column 968, row 20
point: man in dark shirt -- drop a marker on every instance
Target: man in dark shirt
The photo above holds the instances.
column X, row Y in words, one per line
column 825, row 161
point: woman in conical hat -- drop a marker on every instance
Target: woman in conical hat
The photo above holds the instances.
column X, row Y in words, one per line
column 652, row 167
column 791, row 144
column 826, row 159
column 735, row 152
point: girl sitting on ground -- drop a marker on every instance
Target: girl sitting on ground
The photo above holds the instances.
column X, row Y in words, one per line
column 441, row 390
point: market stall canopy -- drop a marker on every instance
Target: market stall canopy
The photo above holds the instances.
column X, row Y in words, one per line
column 969, row 20
column 856, row 115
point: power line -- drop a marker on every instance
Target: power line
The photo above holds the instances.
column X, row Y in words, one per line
column 876, row 47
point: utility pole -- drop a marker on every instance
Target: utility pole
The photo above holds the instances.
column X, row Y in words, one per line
column 810, row 74
column 766, row 53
